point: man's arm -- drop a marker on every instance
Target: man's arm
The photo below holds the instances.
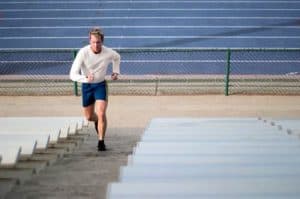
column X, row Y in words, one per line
column 116, row 60
column 75, row 72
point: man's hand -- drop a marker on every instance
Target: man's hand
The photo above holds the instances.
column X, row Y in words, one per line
column 90, row 77
column 114, row 76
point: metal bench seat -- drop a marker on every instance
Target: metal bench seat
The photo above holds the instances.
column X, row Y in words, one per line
column 220, row 188
column 58, row 127
column 28, row 144
column 167, row 173
column 292, row 126
column 218, row 158
column 208, row 160
column 42, row 139
column 177, row 148
column 207, row 137
column 10, row 154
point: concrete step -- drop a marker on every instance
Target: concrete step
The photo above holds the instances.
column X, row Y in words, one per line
column 33, row 163
column 21, row 175
column 6, row 185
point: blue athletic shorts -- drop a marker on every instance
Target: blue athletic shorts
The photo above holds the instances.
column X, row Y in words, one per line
column 92, row 92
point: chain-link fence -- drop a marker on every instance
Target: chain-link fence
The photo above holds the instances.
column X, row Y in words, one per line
column 158, row 72
column 265, row 71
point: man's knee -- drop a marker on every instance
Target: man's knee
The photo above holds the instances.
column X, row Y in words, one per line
column 101, row 115
column 101, row 110
column 89, row 118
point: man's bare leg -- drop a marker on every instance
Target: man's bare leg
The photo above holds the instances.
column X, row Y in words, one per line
column 97, row 113
column 89, row 113
column 100, row 110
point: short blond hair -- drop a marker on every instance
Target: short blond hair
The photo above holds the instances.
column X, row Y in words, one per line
column 96, row 31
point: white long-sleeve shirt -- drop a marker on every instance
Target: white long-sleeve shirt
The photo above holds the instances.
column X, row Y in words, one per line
column 87, row 62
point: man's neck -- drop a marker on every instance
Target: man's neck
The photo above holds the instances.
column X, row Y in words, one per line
column 97, row 52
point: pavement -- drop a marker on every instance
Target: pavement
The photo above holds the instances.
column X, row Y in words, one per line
column 84, row 172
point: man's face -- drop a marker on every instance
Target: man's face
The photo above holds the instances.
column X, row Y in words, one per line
column 95, row 43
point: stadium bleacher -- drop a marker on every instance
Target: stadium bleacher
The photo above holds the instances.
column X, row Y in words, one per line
column 148, row 25
column 160, row 24
column 151, row 24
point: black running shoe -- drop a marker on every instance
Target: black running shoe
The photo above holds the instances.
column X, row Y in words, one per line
column 101, row 145
column 96, row 127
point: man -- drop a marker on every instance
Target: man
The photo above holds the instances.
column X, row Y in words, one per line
column 89, row 68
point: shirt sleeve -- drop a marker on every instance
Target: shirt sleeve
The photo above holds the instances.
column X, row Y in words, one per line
column 75, row 72
column 116, row 60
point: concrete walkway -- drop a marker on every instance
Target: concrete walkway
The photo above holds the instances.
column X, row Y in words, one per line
column 86, row 172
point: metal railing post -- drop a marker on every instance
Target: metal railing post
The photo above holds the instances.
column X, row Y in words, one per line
column 227, row 72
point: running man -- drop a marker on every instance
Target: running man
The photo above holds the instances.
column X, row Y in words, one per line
column 89, row 68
